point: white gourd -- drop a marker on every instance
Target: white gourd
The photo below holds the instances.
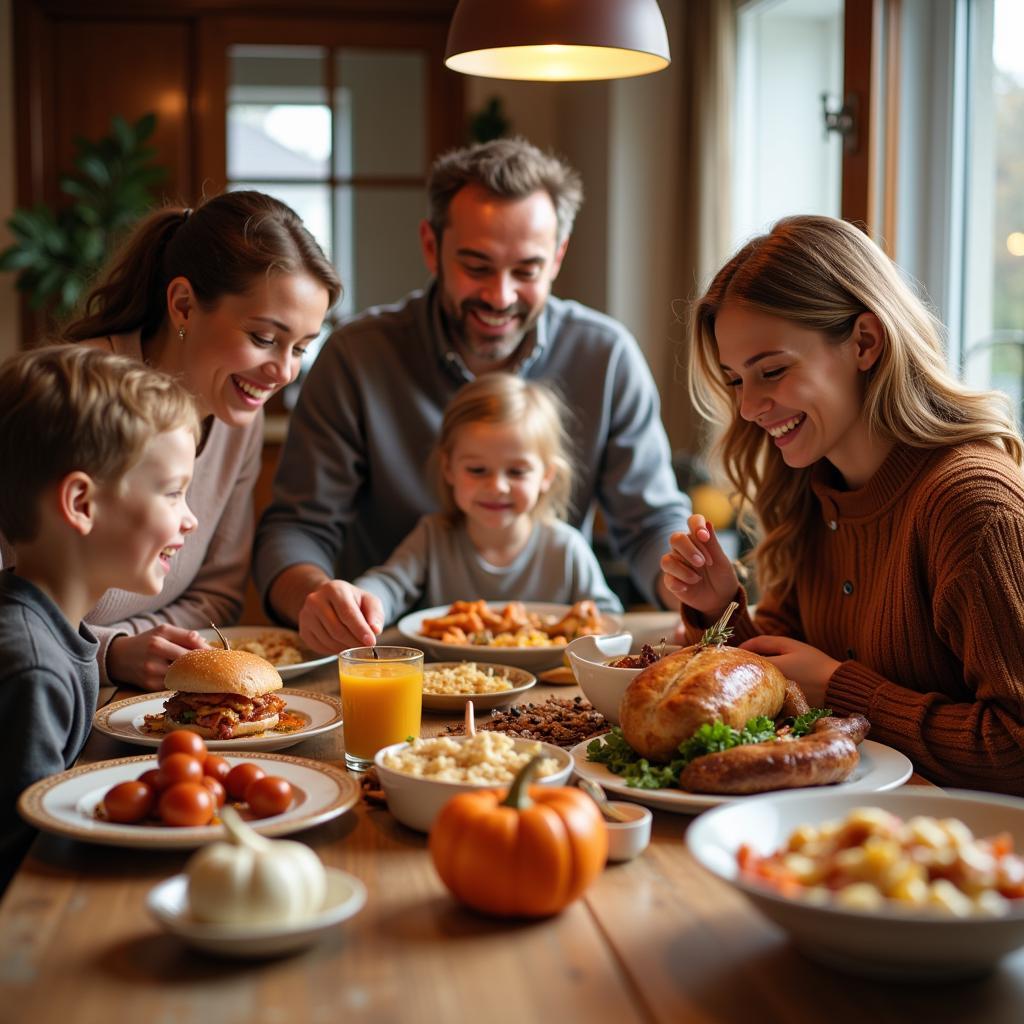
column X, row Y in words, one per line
column 254, row 880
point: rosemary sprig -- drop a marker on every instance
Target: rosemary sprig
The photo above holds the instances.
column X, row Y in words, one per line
column 719, row 633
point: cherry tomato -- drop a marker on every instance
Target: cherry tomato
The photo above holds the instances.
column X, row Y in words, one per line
column 216, row 767
column 268, row 796
column 181, row 741
column 129, row 802
column 177, row 768
column 152, row 779
column 219, row 794
column 241, row 777
column 185, row 804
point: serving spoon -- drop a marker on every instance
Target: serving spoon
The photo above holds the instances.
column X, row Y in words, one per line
column 470, row 719
column 598, row 795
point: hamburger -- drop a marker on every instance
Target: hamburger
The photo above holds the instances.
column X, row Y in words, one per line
column 222, row 694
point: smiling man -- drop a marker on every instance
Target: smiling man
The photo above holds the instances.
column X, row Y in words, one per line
column 355, row 473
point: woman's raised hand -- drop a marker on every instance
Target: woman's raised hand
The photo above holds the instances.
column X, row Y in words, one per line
column 697, row 570
column 143, row 660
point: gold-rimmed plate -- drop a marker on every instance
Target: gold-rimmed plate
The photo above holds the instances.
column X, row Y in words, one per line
column 66, row 804
column 125, row 720
column 275, row 635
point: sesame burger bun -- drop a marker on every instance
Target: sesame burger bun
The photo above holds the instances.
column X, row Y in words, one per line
column 218, row 671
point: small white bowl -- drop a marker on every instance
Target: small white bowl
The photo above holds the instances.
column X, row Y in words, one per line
column 602, row 684
column 627, row 839
column 168, row 903
column 417, row 801
column 886, row 943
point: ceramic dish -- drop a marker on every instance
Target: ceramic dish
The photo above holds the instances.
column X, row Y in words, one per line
column 65, row 804
column 168, row 903
column 240, row 634
column 124, row 721
column 416, row 801
column 453, row 703
column 533, row 659
column 602, row 684
column 880, row 768
column 893, row 943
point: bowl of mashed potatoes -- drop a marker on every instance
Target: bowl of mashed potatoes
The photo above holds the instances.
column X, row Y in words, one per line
column 418, row 778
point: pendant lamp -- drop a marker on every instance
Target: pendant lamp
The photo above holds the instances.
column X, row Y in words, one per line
column 557, row 40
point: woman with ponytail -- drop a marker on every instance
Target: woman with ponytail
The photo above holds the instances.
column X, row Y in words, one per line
column 888, row 500
column 225, row 297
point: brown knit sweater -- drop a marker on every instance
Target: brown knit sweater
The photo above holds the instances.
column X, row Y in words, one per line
column 916, row 583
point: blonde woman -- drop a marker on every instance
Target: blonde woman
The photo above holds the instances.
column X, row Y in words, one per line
column 505, row 478
column 888, row 497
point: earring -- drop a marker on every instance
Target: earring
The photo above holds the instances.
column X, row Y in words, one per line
column 181, row 332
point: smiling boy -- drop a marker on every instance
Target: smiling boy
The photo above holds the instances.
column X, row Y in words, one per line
column 98, row 452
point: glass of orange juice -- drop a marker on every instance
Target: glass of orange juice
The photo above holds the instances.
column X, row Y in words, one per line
column 381, row 696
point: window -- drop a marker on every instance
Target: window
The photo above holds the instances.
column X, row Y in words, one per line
column 993, row 277
column 339, row 134
column 789, row 63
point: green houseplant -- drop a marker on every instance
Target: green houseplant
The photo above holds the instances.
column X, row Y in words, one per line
column 56, row 253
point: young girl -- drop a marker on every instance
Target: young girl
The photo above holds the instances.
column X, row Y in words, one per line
column 890, row 501
column 505, row 480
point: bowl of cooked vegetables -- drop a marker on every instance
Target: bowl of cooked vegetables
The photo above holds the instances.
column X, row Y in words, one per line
column 914, row 883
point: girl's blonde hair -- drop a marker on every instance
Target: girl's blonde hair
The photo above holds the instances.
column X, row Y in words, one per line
column 821, row 273
column 538, row 413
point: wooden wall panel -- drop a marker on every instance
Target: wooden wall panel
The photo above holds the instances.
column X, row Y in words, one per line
column 104, row 68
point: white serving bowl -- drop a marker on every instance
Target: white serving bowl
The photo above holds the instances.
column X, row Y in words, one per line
column 168, row 903
column 417, row 801
column 602, row 684
column 897, row 943
column 628, row 839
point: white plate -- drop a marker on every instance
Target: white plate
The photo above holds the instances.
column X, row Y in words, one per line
column 454, row 703
column 892, row 942
column 168, row 903
column 533, row 659
column 880, row 768
column 65, row 804
column 239, row 634
column 124, row 720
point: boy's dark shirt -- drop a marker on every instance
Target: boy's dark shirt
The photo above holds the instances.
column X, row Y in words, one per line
column 49, row 681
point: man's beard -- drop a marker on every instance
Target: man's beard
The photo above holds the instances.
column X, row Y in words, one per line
column 499, row 350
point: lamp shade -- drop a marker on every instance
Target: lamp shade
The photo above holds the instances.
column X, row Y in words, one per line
column 557, row 40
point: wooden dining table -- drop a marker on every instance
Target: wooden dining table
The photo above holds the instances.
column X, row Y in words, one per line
column 654, row 939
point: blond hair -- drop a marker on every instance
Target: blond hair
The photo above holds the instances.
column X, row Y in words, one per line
column 821, row 274
column 538, row 413
column 69, row 407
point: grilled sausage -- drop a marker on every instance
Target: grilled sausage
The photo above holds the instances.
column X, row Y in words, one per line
column 854, row 726
column 668, row 701
column 817, row 759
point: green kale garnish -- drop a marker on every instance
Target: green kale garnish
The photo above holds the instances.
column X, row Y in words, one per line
column 803, row 724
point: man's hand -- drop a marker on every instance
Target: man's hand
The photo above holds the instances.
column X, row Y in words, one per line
column 337, row 615
column 142, row 660
column 810, row 668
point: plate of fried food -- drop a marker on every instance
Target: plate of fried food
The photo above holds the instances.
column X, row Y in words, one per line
column 711, row 723
column 531, row 635
column 281, row 647
column 447, row 685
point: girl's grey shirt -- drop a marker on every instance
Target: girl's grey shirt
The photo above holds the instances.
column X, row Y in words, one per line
column 437, row 564
column 355, row 473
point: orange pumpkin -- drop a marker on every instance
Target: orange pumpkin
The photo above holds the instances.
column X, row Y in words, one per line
column 529, row 853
